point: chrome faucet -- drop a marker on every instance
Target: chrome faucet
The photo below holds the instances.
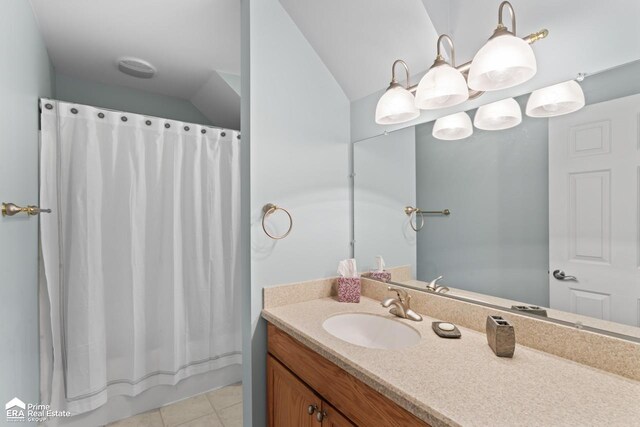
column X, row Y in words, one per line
column 401, row 306
column 434, row 287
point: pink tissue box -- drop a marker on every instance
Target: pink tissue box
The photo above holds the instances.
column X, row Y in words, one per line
column 384, row 276
column 349, row 289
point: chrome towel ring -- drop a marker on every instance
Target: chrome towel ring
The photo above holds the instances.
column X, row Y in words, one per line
column 267, row 210
column 411, row 211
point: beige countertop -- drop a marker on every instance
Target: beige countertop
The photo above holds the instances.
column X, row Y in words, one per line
column 454, row 382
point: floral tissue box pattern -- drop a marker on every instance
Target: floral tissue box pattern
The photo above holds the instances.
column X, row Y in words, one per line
column 349, row 289
column 383, row 276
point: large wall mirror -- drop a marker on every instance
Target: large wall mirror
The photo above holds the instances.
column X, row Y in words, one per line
column 544, row 217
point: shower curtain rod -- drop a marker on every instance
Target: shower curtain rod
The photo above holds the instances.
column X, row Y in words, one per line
column 130, row 112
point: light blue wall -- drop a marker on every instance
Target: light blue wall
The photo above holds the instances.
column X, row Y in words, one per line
column 496, row 185
column 385, row 182
column 299, row 145
column 612, row 84
column 25, row 75
column 121, row 98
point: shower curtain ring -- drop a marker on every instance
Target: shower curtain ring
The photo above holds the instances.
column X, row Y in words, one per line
column 267, row 210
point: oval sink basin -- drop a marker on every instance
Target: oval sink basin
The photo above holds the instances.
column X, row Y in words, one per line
column 371, row 331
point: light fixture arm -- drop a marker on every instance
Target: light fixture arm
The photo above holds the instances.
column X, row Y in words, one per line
column 393, row 72
column 407, row 110
column 511, row 12
column 451, row 46
column 464, row 68
column 398, row 105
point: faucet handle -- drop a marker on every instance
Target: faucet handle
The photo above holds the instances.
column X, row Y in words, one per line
column 433, row 284
column 403, row 295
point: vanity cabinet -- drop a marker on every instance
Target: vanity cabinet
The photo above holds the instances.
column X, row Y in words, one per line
column 293, row 404
column 302, row 384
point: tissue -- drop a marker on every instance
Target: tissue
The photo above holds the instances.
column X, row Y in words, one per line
column 347, row 268
column 349, row 288
column 380, row 273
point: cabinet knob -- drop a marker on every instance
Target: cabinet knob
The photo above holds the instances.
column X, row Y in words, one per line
column 311, row 409
column 321, row 415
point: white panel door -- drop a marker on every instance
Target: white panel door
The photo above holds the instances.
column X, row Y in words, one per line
column 594, row 225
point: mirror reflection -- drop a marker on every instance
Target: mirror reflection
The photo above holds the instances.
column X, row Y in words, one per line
column 542, row 191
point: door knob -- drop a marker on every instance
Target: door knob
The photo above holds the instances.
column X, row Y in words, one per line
column 321, row 415
column 559, row 274
column 311, row 409
column 10, row 209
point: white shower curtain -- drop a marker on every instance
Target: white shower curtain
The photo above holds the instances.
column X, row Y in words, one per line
column 140, row 254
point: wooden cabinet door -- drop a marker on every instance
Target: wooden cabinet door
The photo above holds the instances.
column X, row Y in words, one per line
column 333, row 418
column 289, row 399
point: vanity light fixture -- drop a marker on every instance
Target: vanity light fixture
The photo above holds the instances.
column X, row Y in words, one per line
column 556, row 100
column 504, row 61
column 397, row 105
column 443, row 85
column 498, row 115
column 453, row 127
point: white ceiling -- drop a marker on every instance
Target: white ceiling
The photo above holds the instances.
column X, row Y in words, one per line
column 207, row 100
column 358, row 40
column 188, row 41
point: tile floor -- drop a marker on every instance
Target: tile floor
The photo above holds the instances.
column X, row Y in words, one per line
column 218, row 408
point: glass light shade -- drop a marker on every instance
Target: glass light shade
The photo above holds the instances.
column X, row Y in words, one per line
column 397, row 105
column 442, row 86
column 455, row 126
column 499, row 115
column 504, row 61
column 556, row 100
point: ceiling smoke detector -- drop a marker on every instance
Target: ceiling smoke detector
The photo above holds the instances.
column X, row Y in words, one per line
column 136, row 67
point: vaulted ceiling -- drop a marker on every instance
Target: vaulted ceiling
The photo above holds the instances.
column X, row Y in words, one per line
column 358, row 40
column 194, row 44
